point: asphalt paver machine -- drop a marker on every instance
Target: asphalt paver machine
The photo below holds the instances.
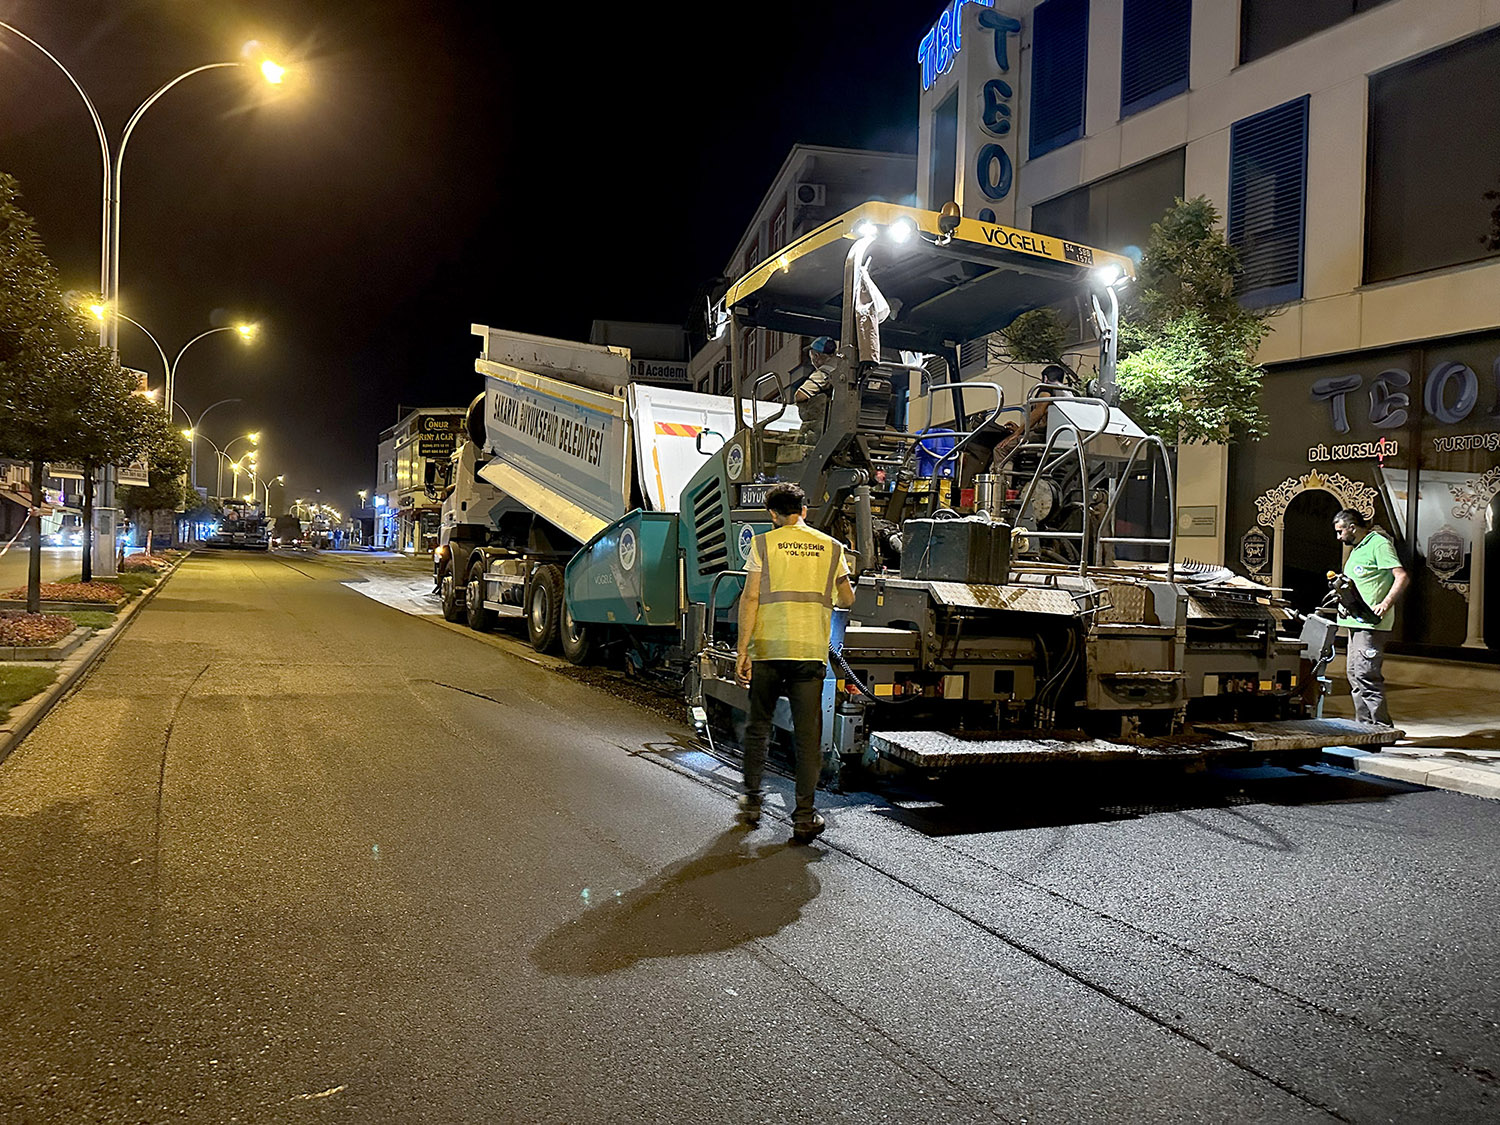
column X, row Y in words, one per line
column 1000, row 614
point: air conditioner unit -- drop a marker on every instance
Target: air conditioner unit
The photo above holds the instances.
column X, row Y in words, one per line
column 812, row 195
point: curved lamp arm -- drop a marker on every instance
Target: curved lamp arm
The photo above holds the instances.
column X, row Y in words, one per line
column 104, row 267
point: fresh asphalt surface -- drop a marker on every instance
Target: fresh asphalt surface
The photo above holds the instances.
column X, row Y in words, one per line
column 290, row 854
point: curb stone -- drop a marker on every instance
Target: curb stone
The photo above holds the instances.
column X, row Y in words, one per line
column 1433, row 772
column 57, row 651
column 24, row 717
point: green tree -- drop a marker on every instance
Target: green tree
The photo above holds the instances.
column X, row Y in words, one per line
column 1187, row 370
column 62, row 397
column 120, row 426
column 168, row 458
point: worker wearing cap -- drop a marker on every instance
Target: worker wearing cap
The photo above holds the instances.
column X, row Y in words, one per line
column 794, row 576
column 814, row 392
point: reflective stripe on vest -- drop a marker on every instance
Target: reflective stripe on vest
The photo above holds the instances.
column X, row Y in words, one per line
column 798, row 570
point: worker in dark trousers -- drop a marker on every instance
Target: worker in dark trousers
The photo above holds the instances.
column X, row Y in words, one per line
column 1377, row 574
column 795, row 574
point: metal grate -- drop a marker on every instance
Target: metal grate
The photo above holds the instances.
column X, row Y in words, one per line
column 709, row 528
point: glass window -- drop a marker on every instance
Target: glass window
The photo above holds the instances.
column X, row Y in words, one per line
column 1270, row 25
column 1115, row 213
column 943, row 171
column 1267, row 191
column 1414, row 434
column 1059, row 73
column 1428, row 178
column 1154, row 52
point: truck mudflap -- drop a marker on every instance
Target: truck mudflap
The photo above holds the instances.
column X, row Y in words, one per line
column 939, row 750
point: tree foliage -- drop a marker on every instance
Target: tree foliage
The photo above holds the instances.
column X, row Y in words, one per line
column 168, row 458
column 1187, row 370
column 1036, row 337
column 62, row 396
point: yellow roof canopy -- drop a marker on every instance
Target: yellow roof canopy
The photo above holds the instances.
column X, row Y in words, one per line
column 942, row 292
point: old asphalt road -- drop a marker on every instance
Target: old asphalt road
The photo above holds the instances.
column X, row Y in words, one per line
column 291, row 854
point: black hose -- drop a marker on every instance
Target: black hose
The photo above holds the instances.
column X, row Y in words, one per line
column 843, row 666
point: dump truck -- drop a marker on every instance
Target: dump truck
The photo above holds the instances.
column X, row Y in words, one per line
column 1007, row 608
column 561, row 445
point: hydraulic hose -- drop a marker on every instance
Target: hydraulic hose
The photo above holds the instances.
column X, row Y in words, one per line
column 843, row 666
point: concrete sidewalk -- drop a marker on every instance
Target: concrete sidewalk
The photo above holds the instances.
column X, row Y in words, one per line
column 1451, row 716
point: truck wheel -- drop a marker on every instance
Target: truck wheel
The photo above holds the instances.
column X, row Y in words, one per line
column 543, row 600
column 454, row 597
column 578, row 639
column 481, row 620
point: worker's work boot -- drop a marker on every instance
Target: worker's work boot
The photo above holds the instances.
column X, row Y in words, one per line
column 809, row 831
column 750, row 810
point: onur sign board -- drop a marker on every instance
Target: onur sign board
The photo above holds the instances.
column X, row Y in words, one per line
column 438, row 434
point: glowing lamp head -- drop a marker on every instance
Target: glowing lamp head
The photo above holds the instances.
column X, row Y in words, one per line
column 247, row 332
column 97, row 310
column 866, row 229
column 271, row 72
column 1108, row 275
column 901, row 230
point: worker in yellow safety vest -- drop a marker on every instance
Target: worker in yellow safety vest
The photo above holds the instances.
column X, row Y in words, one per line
column 794, row 576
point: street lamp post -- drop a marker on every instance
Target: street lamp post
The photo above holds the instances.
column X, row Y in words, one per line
column 280, row 479
column 247, row 333
column 253, row 438
column 194, row 424
column 103, row 547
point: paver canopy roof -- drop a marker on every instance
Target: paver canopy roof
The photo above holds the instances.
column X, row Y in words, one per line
column 941, row 292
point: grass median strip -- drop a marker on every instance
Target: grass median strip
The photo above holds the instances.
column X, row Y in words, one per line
column 18, row 684
column 91, row 618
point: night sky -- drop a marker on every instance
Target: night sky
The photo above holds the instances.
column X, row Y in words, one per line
column 428, row 166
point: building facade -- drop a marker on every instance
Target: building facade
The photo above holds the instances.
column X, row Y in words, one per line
column 658, row 352
column 1348, row 144
column 813, row 185
column 412, row 463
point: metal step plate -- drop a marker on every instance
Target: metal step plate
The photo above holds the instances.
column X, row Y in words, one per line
column 1306, row 734
column 934, row 749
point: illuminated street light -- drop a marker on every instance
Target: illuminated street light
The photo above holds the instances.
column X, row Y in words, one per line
column 102, row 551
column 247, row 332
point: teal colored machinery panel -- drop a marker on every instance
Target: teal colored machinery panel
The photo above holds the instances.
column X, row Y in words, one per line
column 627, row 574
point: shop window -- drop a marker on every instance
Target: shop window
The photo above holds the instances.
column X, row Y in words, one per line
column 943, row 170
column 1059, row 75
column 1270, row 25
column 1115, row 213
column 1154, row 52
column 1428, row 178
column 1267, row 193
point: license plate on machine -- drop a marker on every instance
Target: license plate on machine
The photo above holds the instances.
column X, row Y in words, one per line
column 754, row 495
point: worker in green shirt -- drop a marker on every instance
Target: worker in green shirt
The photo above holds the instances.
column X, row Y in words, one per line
column 1380, row 579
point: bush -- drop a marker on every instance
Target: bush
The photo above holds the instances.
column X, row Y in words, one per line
column 33, row 629
column 139, row 562
column 103, row 592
